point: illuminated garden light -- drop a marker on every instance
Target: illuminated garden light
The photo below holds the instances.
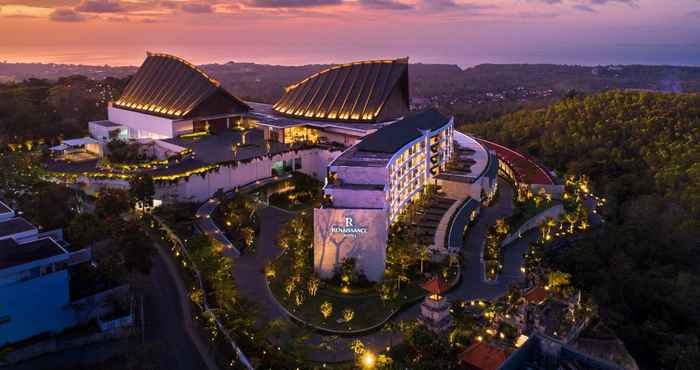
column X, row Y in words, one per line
column 368, row 359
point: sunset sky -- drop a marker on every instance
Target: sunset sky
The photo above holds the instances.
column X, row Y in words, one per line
column 464, row 32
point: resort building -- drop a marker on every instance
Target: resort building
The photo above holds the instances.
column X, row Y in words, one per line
column 168, row 97
column 35, row 280
column 41, row 289
column 349, row 125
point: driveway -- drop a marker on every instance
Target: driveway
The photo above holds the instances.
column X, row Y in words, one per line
column 250, row 279
column 249, row 269
column 472, row 285
column 167, row 328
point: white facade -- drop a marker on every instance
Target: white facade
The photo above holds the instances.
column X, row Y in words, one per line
column 106, row 131
column 200, row 188
column 400, row 178
column 145, row 126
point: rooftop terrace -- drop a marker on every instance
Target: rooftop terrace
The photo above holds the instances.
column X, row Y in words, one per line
column 14, row 254
column 526, row 169
column 14, row 226
column 106, row 123
column 391, row 138
column 354, row 157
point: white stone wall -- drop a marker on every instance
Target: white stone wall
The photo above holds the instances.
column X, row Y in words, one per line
column 367, row 246
column 361, row 175
column 198, row 188
column 141, row 126
column 357, row 198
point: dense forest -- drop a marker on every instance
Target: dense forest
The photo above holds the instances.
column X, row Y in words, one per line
column 36, row 111
column 642, row 152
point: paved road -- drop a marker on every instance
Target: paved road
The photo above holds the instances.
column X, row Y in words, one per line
column 249, row 273
column 249, row 269
column 165, row 323
column 472, row 285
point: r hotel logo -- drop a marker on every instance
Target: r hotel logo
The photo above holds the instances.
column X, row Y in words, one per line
column 349, row 228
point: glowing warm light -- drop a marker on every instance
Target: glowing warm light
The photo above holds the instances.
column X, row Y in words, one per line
column 368, row 359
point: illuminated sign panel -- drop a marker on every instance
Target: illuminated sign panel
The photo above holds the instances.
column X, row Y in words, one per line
column 349, row 228
column 350, row 233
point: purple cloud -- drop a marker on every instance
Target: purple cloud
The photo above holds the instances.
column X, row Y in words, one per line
column 386, row 4
column 584, row 8
column 197, row 8
column 100, row 6
column 451, row 5
column 168, row 4
column 66, row 15
column 291, row 3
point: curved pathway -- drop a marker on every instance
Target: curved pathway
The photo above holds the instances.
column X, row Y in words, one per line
column 472, row 285
column 249, row 274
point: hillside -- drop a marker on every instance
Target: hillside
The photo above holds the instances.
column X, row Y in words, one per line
column 642, row 152
column 474, row 94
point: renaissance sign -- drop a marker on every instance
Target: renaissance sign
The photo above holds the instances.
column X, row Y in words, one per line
column 340, row 234
column 349, row 228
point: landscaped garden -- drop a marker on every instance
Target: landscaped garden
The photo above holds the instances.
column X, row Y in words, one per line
column 222, row 312
column 237, row 218
column 301, row 192
column 349, row 302
column 528, row 205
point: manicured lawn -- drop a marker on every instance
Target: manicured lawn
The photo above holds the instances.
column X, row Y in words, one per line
column 369, row 310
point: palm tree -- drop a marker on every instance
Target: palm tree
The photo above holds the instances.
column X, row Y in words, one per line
column 549, row 223
column 571, row 218
column 502, row 227
column 423, row 254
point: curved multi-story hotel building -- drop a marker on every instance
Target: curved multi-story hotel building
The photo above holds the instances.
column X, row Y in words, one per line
column 358, row 133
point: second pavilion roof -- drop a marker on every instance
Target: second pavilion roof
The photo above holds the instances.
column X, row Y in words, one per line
column 367, row 91
column 171, row 87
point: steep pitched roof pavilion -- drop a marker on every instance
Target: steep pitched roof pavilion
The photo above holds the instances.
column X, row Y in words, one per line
column 363, row 92
column 265, row 115
column 170, row 87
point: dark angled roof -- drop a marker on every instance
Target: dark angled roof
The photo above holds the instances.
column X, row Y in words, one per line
column 171, row 87
column 4, row 208
column 389, row 139
column 367, row 91
column 13, row 254
column 14, row 226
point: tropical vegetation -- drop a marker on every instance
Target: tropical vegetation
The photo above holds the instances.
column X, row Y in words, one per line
column 641, row 151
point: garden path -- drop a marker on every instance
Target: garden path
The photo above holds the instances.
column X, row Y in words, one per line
column 250, row 277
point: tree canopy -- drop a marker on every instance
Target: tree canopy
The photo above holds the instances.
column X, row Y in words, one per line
column 642, row 153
